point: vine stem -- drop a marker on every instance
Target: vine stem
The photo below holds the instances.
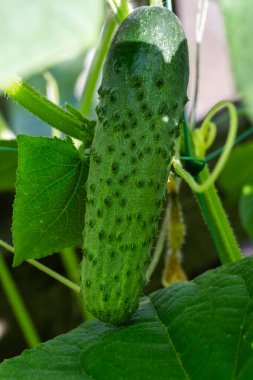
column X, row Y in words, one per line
column 126, row 7
column 121, row 11
column 18, row 306
column 43, row 268
column 218, row 223
column 49, row 112
column 210, row 179
column 214, row 213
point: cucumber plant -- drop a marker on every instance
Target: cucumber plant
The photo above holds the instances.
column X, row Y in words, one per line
column 142, row 95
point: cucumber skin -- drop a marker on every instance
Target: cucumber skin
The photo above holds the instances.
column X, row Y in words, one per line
column 142, row 95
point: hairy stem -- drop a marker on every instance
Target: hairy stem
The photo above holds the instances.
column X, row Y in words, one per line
column 18, row 306
column 49, row 112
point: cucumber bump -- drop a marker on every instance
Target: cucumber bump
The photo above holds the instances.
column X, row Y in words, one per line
column 142, row 95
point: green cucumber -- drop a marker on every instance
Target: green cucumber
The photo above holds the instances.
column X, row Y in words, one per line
column 142, row 95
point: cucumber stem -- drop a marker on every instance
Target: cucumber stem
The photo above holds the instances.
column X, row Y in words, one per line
column 49, row 112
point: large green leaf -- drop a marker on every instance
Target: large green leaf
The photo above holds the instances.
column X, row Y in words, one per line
column 8, row 165
column 238, row 171
column 50, row 197
column 197, row 330
column 238, row 16
column 36, row 34
column 246, row 209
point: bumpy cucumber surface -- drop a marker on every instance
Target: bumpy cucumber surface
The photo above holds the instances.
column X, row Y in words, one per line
column 142, row 95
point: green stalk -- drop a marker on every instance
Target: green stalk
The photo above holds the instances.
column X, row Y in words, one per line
column 122, row 9
column 49, row 112
column 90, row 85
column 217, row 222
column 121, row 12
column 18, row 306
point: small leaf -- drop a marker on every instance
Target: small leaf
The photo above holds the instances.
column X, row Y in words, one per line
column 238, row 17
column 38, row 34
column 196, row 330
column 8, row 165
column 50, row 197
column 238, row 171
column 246, row 209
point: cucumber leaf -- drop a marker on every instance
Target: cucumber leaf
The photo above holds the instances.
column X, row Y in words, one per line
column 35, row 35
column 50, row 197
column 198, row 330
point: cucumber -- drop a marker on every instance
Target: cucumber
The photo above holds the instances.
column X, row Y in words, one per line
column 142, row 95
